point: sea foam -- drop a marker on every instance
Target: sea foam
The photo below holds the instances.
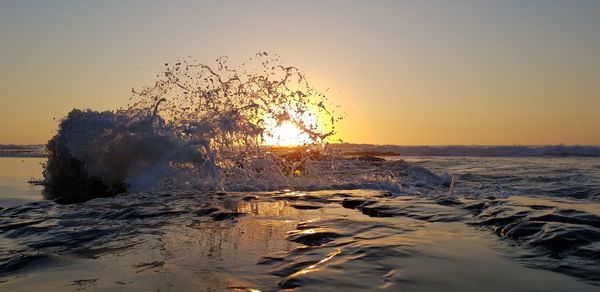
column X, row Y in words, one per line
column 196, row 125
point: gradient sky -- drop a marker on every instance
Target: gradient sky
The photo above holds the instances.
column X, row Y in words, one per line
column 406, row 72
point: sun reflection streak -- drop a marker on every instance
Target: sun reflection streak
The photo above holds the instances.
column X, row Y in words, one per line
column 313, row 268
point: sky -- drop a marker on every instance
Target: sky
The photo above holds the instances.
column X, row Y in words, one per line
column 405, row 72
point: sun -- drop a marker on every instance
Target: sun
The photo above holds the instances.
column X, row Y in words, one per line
column 286, row 134
column 310, row 126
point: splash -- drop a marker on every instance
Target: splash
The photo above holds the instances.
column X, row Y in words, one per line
column 238, row 107
column 196, row 125
column 216, row 128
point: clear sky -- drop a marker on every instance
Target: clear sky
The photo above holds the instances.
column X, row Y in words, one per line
column 406, row 72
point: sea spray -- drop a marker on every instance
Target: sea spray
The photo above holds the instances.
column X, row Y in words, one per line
column 105, row 149
column 197, row 124
column 206, row 127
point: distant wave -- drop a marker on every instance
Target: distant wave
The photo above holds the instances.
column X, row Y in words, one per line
column 499, row 151
column 10, row 150
column 22, row 150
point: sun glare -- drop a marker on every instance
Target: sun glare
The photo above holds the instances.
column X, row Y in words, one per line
column 286, row 134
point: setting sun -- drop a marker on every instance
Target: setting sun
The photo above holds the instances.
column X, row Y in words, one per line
column 286, row 134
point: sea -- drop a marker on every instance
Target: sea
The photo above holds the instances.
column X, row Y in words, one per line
column 398, row 218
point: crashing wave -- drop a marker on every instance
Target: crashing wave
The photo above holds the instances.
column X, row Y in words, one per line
column 210, row 126
column 205, row 127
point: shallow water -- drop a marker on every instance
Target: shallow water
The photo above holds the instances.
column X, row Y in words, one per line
column 570, row 177
column 266, row 241
column 15, row 172
column 501, row 230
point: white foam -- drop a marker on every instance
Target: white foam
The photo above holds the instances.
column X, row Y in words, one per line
column 203, row 127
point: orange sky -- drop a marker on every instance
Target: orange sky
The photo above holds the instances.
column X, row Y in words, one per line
column 405, row 72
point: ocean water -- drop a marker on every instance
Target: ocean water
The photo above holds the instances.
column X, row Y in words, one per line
column 15, row 175
column 547, row 176
column 451, row 223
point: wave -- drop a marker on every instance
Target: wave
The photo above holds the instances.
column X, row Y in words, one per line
column 205, row 127
column 499, row 151
column 11, row 150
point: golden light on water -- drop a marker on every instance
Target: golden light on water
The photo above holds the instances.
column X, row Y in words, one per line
column 315, row 267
